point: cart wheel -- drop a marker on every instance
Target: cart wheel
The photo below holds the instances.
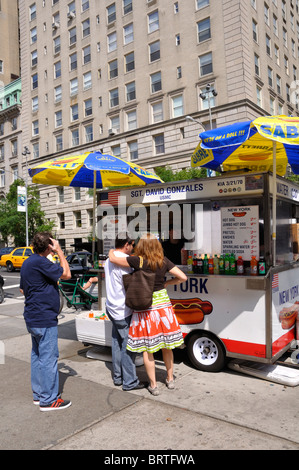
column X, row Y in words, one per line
column 9, row 266
column 61, row 299
column 206, row 352
column 1, row 295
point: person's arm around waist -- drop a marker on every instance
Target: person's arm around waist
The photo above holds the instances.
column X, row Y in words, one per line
column 63, row 262
column 178, row 278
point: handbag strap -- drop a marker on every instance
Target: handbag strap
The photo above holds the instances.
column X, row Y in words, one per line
column 140, row 262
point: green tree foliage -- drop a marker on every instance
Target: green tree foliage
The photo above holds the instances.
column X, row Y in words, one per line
column 167, row 174
column 13, row 223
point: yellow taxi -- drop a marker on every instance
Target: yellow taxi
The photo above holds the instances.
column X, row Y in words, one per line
column 16, row 258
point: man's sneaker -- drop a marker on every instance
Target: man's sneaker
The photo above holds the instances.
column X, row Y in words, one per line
column 36, row 402
column 56, row 405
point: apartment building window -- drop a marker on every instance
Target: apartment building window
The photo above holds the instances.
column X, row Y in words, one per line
column 56, row 45
column 111, row 13
column 205, row 64
column 177, row 106
column 86, row 55
column 127, row 6
column 115, row 150
column 14, row 148
column 75, row 137
column 34, row 102
column 1, row 152
column 130, row 91
column 33, row 35
column 32, row 12
column 254, row 30
column 275, row 25
column 35, row 149
column 156, row 82
column 73, row 86
column 88, row 107
column 85, row 5
column 276, row 53
column 77, row 217
column 58, row 142
column 57, row 69
column 74, row 112
column 73, row 36
column 35, row 128
column 294, row 72
column 72, row 7
column 86, row 28
column 60, row 193
column 2, row 179
column 113, row 69
column 133, row 150
column 15, row 172
column 112, row 42
column 129, row 62
column 58, row 118
column 278, row 84
column 259, row 96
column 77, row 194
column 286, row 65
column 154, row 51
column 61, row 221
column 270, row 77
column 33, row 58
column 2, row 128
column 88, row 133
column 285, row 37
column 159, row 144
column 73, row 61
column 272, row 106
column 90, row 218
column 87, row 81
column 57, row 94
column 153, row 21
column 176, row 8
column 128, row 34
column 179, row 72
column 256, row 64
column 202, row 3
column 203, row 30
column 114, row 123
column 157, row 111
column 266, row 14
column 114, row 99
column 131, row 120
column 288, row 92
column 34, row 81
column 268, row 45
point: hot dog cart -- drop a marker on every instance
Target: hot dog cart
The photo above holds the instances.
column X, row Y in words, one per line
column 249, row 316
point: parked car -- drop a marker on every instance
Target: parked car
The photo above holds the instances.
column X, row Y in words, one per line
column 80, row 262
column 6, row 250
column 15, row 259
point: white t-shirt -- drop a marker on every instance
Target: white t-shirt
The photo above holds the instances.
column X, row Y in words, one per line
column 115, row 292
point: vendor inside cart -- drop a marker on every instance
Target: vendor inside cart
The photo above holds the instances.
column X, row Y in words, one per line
column 173, row 246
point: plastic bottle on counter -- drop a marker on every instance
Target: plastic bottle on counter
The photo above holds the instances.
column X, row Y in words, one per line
column 221, row 264
column 262, row 266
column 206, row 264
column 211, row 265
column 240, row 265
column 194, row 264
column 199, row 265
column 216, row 264
column 232, row 264
column 91, row 314
column 226, row 264
column 190, row 265
column 253, row 266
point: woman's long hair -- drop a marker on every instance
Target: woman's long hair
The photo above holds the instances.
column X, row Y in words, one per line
column 151, row 250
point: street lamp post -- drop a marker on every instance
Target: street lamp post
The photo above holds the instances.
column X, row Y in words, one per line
column 25, row 153
column 206, row 95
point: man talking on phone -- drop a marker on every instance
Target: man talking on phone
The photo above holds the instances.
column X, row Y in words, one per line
column 39, row 278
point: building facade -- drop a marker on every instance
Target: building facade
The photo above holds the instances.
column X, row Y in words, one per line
column 121, row 77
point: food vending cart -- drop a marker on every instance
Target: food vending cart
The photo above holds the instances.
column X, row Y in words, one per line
column 251, row 315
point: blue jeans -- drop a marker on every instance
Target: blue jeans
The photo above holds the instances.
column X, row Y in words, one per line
column 123, row 361
column 44, row 358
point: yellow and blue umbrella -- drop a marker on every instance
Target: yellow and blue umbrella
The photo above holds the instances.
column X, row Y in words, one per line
column 91, row 169
column 250, row 145
column 266, row 143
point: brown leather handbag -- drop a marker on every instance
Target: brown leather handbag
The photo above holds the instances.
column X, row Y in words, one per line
column 139, row 287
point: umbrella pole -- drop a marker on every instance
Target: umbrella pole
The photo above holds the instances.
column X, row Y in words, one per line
column 274, row 205
column 94, row 212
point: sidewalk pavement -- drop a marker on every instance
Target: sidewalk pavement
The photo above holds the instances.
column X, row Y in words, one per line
column 206, row 411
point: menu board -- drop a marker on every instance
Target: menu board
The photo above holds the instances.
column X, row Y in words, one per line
column 240, row 231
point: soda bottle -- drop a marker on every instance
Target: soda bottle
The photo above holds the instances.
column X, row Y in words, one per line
column 253, row 266
column 206, row 265
column 195, row 263
column 199, row 265
column 262, row 266
column 226, row 264
column 232, row 264
column 190, row 265
column 216, row 264
column 240, row 265
column 221, row 264
column 211, row 265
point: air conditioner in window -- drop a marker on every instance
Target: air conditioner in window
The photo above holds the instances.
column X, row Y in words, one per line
column 55, row 25
column 112, row 131
column 71, row 15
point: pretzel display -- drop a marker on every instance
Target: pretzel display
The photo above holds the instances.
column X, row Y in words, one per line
column 190, row 311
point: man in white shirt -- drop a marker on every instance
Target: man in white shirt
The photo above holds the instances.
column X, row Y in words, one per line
column 123, row 361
